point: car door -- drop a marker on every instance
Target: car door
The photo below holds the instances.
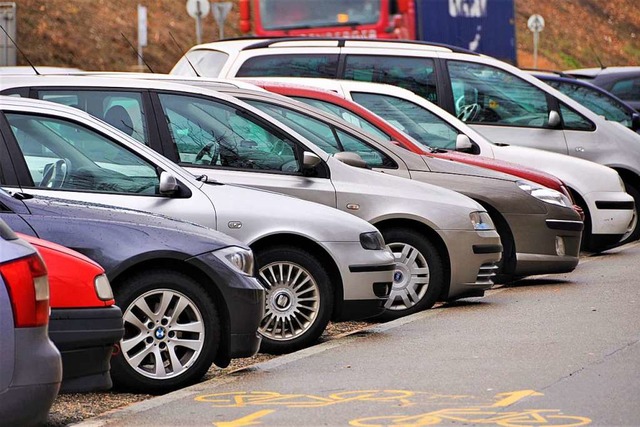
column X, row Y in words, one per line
column 503, row 107
column 59, row 157
column 234, row 145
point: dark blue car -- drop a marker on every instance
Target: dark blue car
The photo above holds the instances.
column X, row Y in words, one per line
column 593, row 97
column 187, row 293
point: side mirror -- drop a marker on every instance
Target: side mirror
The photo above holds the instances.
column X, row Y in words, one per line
column 463, row 143
column 310, row 160
column 635, row 121
column 168, row 184
column 554, row 119
column 352, row 159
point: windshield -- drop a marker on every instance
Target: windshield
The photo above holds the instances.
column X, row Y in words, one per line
column 291, row 14
column 414, row 120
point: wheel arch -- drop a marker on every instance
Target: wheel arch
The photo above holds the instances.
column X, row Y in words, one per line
column 315, row 249
column 222, row 357
column 431, row 234
column 506, row 236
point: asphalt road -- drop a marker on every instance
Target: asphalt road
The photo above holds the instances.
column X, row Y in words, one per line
column 558, row 350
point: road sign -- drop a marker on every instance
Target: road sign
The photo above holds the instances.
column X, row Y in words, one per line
column 535, row 23
column 220, row 12
column 198, row 8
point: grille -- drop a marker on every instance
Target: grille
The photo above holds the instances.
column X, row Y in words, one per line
column 486, row 274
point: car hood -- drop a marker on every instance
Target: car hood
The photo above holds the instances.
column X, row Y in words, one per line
column 455, row 167
column 109, row 235
column 582, row 175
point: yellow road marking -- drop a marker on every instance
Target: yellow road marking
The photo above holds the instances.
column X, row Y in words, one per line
column 249, row 420
column 513, row 396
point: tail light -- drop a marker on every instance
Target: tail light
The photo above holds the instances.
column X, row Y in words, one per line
column 28, row 284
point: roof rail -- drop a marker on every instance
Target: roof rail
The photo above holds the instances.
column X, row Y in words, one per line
column 544, row 70
column 342, row 40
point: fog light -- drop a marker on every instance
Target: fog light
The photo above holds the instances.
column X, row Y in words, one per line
column 560, row 246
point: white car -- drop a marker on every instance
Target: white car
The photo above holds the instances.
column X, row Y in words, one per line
column 445, row 244
column 597, row 189
column 507, row 105
column 316, row 262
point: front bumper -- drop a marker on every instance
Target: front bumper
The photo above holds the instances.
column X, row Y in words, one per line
column 611, row 212
column 85, row 338
column 473, row 256
column 367, row 276
column 546, row 244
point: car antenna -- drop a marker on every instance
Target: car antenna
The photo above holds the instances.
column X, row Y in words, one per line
column 602, row 66
column 137, row 53
column 20, row 50
column 185, row 56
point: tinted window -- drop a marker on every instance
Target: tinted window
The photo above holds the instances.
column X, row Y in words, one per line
column 415, row 74
column 345, row 115
column 208, row 132
column 122, row 110
column 594, row 100
column 574, row 120
column 411, row 118
column 627, row 89
column 484, row 94
column 290, row 66
column 65, row 155
column 324, row 135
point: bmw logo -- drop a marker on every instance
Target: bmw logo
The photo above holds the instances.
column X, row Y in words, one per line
column 160, row 333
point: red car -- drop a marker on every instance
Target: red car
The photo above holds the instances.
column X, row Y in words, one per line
column 335, row 103
column 84, row 323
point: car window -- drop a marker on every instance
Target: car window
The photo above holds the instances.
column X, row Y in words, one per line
column 122, row 110
column 65, row 155
column 627, row 89
column 345, row 115
column 212, row 133
column 575, row 121
column 485, row 94
column 324, row 135
column 207, row 63
column 411, row 118
column 594, row 100
column 312, row 65
column 414, row 74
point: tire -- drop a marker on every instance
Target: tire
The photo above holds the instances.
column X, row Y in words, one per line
column 291, row 322
column 634, row 232
column 130, row 368
column 423, row 275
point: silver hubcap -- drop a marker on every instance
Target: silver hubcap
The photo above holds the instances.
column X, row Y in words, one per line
column 292, row 301
column 164, row 334
column 410, row 279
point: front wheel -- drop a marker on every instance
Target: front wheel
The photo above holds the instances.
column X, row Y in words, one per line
column 419, row 276
column 172, row 332
column 298, row 300
column 633, row 233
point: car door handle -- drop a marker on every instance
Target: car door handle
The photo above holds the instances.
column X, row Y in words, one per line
column 580, row 149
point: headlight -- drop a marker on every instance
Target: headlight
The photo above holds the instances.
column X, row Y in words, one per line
column 481, row 221
column 237, row 258
column 372, row 241
column 545, row 194
column 103, row 288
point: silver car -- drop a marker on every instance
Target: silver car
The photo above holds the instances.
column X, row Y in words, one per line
column 317, row 263
column 445, row 243
column 30, row 365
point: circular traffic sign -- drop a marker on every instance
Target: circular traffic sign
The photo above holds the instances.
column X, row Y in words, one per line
column 198, row 8
column 535, row 23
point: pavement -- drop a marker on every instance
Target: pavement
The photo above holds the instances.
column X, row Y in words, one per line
column 555, row 350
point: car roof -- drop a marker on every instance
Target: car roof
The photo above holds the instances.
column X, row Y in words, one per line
column 240, row 44
column 593, row 72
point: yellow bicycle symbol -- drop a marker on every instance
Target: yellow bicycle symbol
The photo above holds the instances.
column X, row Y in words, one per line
column 476, row 416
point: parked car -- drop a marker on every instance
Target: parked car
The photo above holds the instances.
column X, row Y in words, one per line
column 343, row 263
column 30, row 365
column 84, row 323
column 215, row 135
column 506, row 105
column 593, row 97
column 610, row 217
column 187, row 292
column 623, row 82
column 519, row 209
